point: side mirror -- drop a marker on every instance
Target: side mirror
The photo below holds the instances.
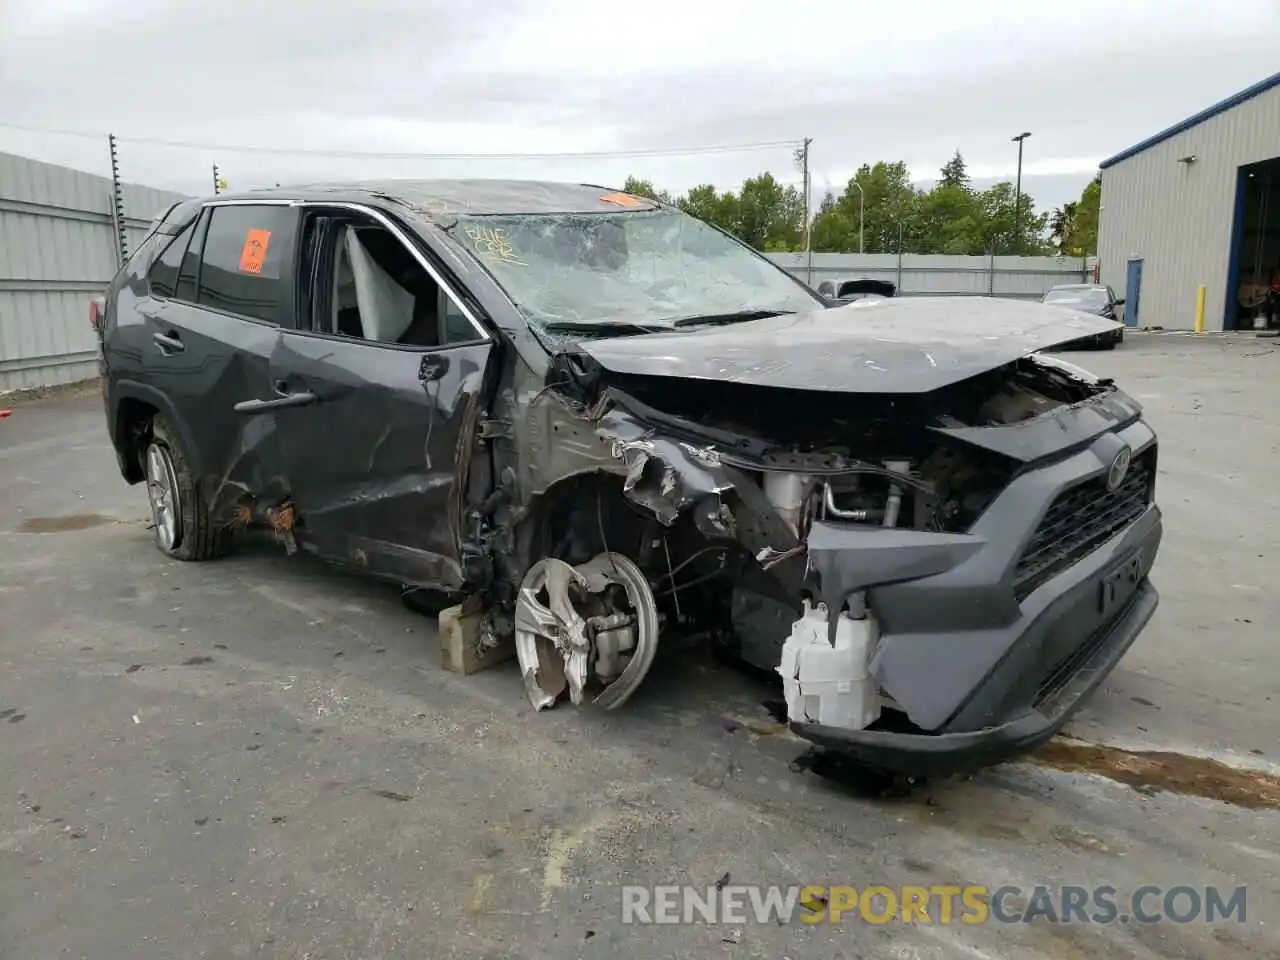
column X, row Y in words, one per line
column 1118, row 303
column 433, row 367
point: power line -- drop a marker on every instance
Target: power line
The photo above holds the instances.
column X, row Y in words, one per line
column 224, row 148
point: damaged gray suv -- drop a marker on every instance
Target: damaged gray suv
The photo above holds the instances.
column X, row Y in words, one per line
column 597, row 422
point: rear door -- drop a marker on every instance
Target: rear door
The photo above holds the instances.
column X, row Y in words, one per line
column 219, row 295
column 377, row 397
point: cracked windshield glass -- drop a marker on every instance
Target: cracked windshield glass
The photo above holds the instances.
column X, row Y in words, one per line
column 644, row 269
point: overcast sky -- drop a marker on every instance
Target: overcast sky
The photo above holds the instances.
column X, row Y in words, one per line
column 867, row 81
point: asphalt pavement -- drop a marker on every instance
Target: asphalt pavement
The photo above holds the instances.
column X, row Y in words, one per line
column 260, row 757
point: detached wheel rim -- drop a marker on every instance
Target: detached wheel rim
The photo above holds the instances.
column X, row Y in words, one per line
column 590, row 625
column 162, row 490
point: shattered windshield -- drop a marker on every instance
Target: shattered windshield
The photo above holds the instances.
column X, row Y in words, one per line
column 636, row 268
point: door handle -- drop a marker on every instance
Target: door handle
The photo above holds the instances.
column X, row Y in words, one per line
column 251, row 407
column 168, row 342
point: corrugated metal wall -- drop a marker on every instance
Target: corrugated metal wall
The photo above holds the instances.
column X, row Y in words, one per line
column 942, row 276
column 1177, row 217
column 57, row 249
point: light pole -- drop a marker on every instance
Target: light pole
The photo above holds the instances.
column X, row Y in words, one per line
column 1017, row 197
column 862, row 198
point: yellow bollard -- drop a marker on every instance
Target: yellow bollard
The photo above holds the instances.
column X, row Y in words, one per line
column 1200, row 292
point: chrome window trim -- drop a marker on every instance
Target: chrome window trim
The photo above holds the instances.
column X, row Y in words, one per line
column 390, row 226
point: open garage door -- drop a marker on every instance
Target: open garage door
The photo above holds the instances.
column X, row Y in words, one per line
column 1253, row 297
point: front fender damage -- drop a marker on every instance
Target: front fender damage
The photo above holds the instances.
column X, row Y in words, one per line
column 664, row 476
column 595, row 622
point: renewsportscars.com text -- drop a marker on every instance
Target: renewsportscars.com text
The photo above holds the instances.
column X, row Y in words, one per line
column 936, row 904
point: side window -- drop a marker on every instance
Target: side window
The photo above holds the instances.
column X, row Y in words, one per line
column 189, row 274
column 457, row 328
column 372, row 287
column 163, row 276
column 246, row 249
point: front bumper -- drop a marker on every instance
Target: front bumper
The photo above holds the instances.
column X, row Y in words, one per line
column 981, row 672
column 940, row 754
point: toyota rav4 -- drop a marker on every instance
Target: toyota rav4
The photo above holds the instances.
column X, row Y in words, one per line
column 597, row 421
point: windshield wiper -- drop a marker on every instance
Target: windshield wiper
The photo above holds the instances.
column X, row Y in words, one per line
column 741, row 316
column 604, row 328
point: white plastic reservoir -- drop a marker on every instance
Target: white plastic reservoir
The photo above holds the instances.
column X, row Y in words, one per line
column 826, row 684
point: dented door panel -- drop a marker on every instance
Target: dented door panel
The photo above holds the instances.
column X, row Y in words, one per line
column 375, row 464
column 206, row 362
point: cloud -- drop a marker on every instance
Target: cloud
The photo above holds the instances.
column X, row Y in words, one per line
column 866, row 82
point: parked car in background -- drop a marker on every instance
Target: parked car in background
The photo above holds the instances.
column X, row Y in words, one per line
column 1096, row 299
column 847, row 291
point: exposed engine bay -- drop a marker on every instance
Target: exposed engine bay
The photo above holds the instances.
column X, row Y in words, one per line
column 723, row 488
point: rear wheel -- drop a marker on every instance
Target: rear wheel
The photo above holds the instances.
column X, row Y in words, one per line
column 180, row 518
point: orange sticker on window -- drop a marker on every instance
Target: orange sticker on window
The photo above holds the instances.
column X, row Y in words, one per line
column 254, row 252
column 622, row 199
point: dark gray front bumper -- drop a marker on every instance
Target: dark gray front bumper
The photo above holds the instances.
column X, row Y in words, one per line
column 981, row 672
column 1063, row 692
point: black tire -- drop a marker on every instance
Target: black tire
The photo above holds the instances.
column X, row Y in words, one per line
column 197, row 536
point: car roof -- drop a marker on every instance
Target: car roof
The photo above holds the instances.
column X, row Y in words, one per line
column 1078, row 286
column 443, row 201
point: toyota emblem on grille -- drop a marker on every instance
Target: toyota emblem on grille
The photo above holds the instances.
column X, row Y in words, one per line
column 1119, row 468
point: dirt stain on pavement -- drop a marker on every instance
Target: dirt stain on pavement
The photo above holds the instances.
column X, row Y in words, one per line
column 1161, row 771
column 76, row 521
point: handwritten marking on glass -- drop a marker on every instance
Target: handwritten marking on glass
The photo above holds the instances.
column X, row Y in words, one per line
column 494, row 242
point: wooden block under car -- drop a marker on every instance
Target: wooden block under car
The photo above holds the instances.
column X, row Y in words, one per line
column 460, row 650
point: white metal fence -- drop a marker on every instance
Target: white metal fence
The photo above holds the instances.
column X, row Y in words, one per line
column 917, row 275
column 58, row 249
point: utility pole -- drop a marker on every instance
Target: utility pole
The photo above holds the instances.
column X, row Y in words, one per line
column 808, row 201
column 1017, row 197
column 217, row 181
column 899, row 280
column 802, row 157
column 862, row 217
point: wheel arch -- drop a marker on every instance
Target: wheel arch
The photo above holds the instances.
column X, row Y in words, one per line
column 589, row 507
column 135, row 405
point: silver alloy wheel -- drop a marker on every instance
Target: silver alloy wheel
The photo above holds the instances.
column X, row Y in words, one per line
column 564, row 624
column 162, row 489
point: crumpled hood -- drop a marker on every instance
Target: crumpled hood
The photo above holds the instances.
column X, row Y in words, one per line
column 907, row 345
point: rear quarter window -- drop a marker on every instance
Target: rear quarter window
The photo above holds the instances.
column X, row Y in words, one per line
column 163, row 276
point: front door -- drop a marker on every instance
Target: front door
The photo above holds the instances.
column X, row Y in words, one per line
column 377, row 397
column 1132, row 292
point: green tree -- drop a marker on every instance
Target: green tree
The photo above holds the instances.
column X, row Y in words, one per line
column 890, row 200
column 997, row 204
column 949, row 220
column 832, row 231
column 955, row 173
column 644, row 188
column 1084, row 225
column 1061, row 226
column 1073, row 227
column 770, row 215
column 706, row 203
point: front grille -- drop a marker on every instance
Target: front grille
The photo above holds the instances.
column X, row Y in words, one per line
column 1080, row 519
